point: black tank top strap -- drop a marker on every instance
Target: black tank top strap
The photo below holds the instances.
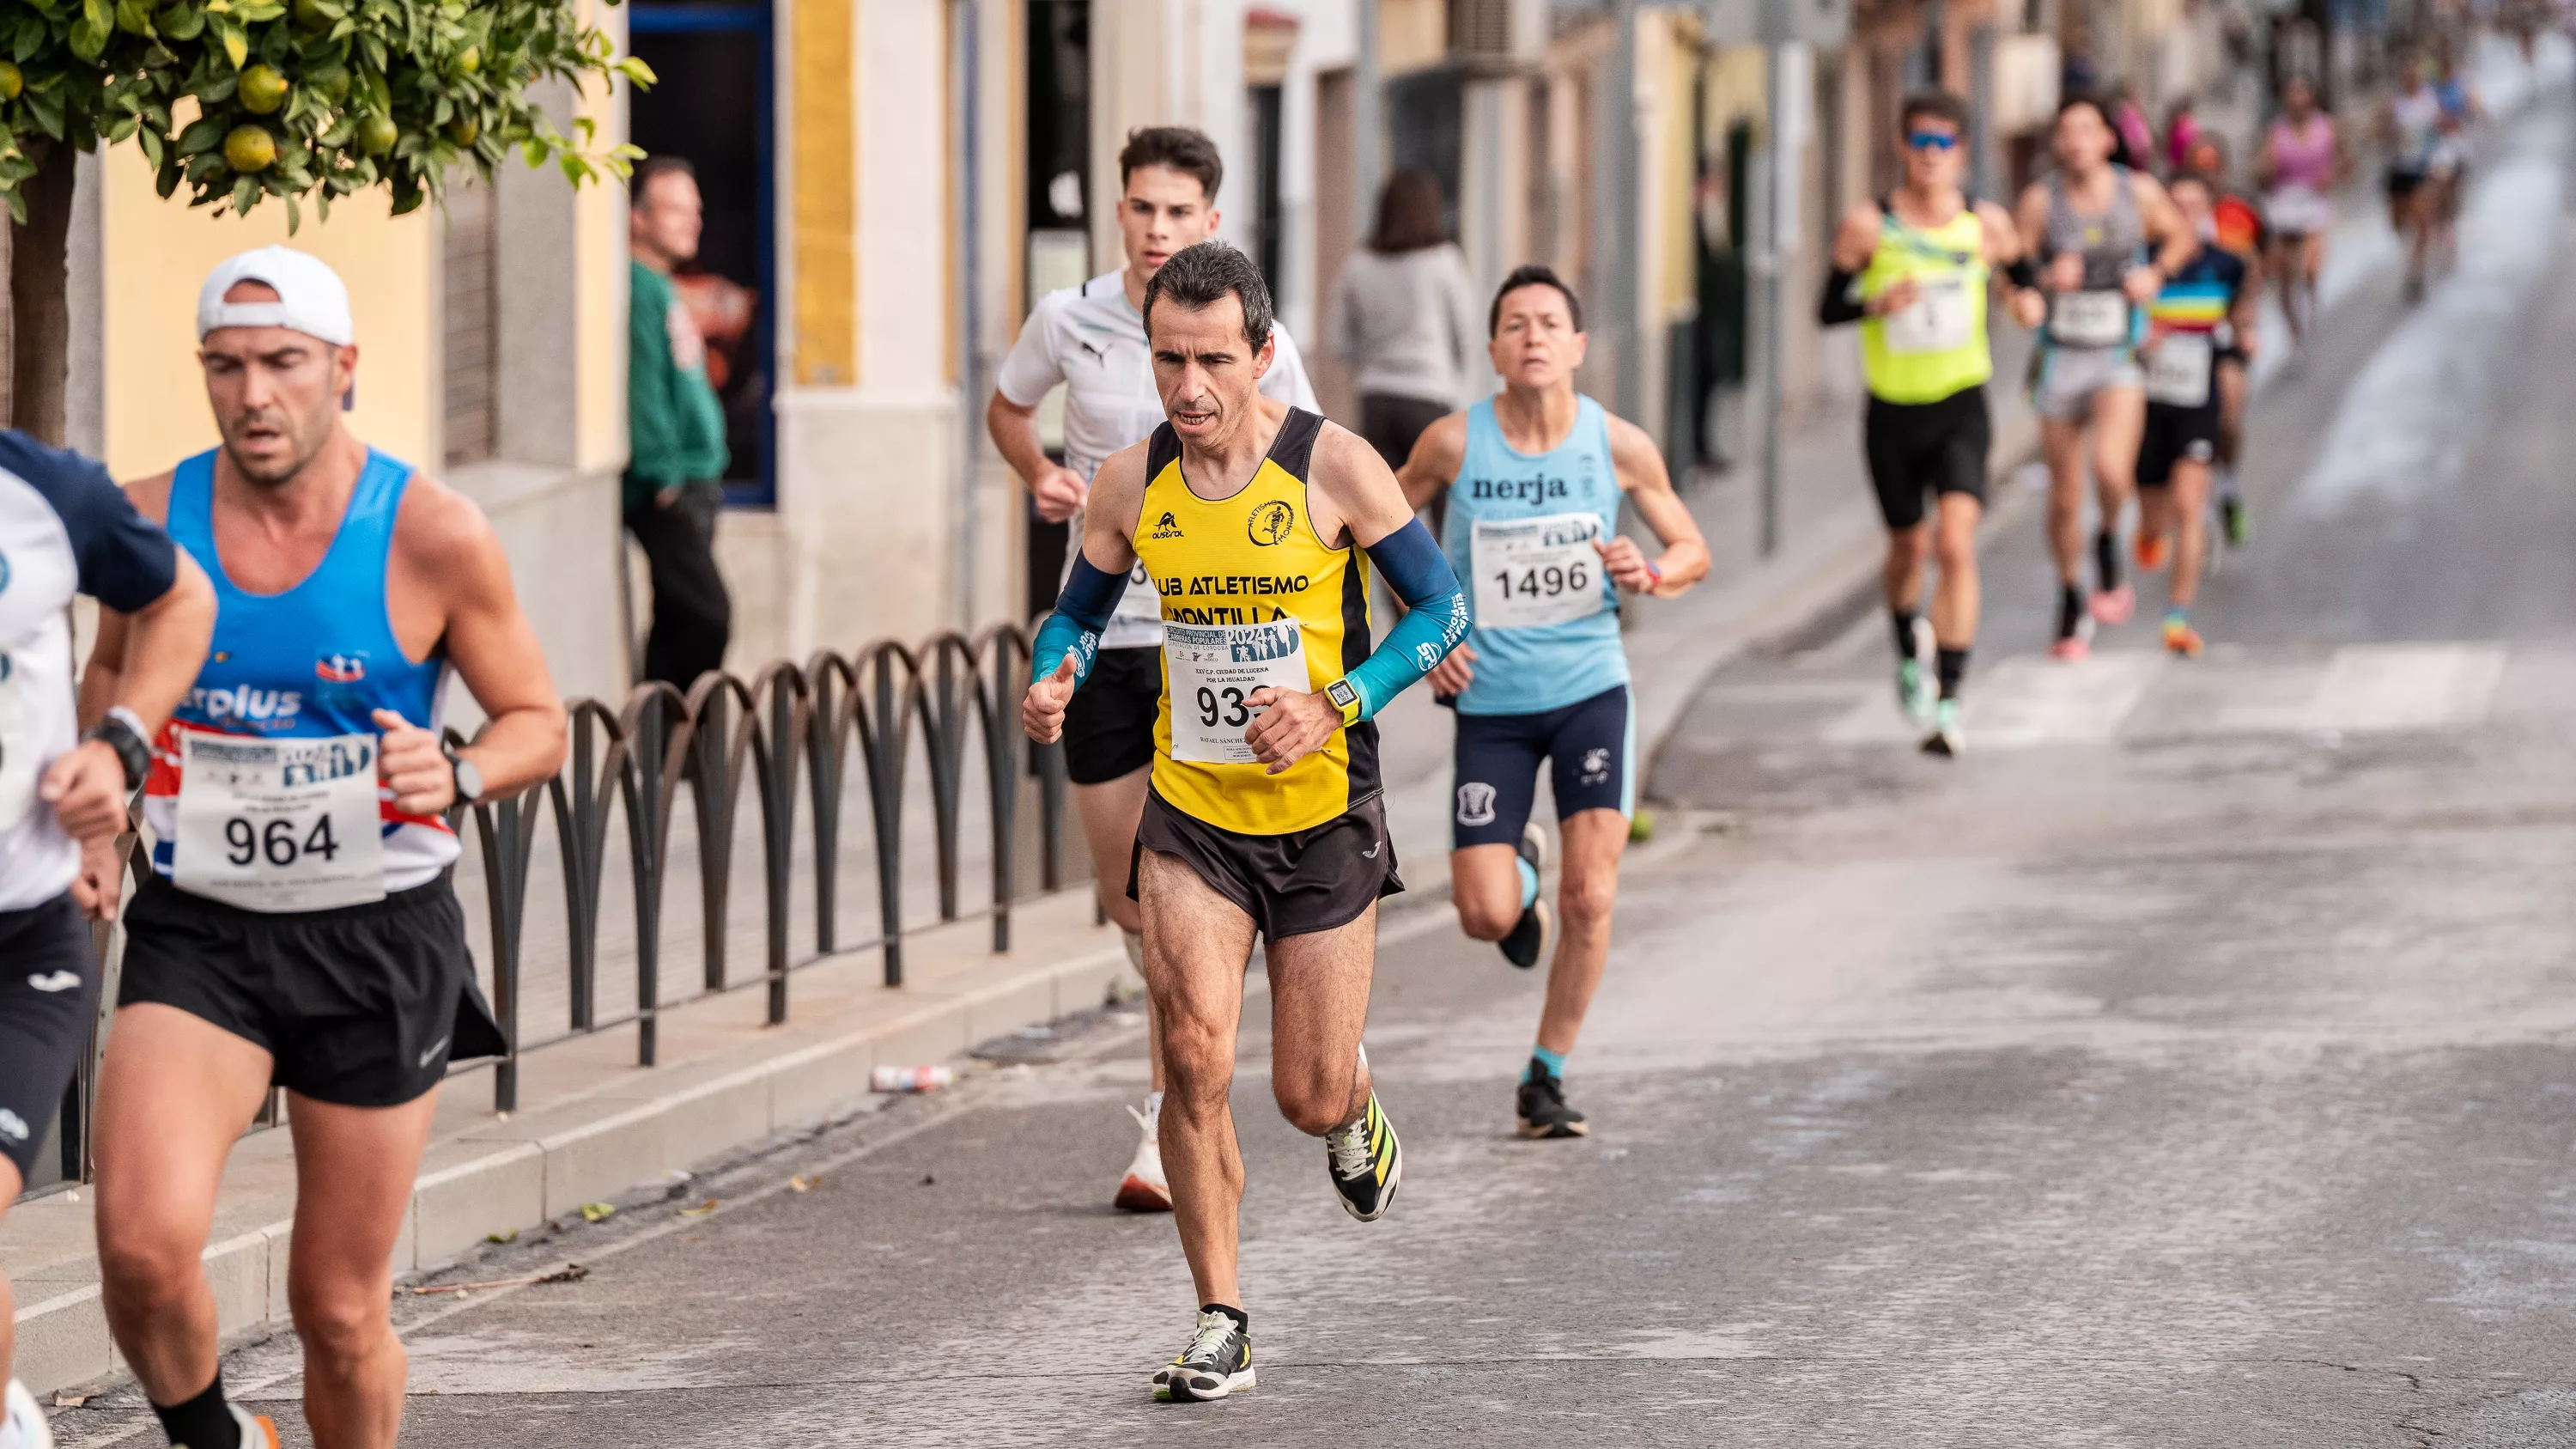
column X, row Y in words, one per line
column 1294, row 449
column 1161, row 448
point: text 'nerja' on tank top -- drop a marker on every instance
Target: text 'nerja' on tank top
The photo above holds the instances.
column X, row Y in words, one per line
column 1519, row 534
column 1936, row 347
column 312, row 663
column 1251, row 597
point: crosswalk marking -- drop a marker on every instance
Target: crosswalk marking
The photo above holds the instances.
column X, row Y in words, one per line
column 2029, row 702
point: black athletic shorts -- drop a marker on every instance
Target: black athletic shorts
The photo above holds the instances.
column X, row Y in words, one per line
column 1590, row 745
column 1290, row 885
column 1926, row 448
column 2176, row 435
column 48, row 996
column 2403, row 184
column 1109, row 723
column 361, row 1006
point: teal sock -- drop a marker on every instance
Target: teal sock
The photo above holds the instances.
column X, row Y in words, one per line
column 2177, row 615
column 1529, row 882
column 1542, row 1057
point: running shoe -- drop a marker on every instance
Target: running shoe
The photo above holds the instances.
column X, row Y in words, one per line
column 1145, row 1190
column 22, row 1423
column 2074, row 631
column 1944, row 739
column 257, row 1432
column 2182, row 639
column 2236, row 522
column 1366, row 1163
column 1543, row 1112
column 1218, row 1362
column 1527, row 944
column 2114, row 606
column 2152, row 549
column 1916, row 685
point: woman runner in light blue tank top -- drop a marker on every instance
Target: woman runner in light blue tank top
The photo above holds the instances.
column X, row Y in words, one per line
column 1542, row 680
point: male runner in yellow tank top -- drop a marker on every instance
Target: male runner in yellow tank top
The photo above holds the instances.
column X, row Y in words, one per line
column 1264, row 816
column 1914, row 270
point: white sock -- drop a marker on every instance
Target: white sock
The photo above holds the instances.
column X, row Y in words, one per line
column 1153, row 1114
column 1134, row 941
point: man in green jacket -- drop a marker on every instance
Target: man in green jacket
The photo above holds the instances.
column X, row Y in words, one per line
column 675, row 433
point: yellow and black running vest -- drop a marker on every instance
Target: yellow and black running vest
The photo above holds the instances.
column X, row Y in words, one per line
column 1938, row 346
column 1223, row 565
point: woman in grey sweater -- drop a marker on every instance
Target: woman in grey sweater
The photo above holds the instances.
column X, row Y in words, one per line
column 1403, row 314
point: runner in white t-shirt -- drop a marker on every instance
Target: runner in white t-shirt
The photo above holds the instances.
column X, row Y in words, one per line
column 1091, row 338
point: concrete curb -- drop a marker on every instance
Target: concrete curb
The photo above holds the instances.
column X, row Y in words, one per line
column 537, row 1171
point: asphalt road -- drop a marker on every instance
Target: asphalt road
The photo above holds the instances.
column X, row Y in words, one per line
column 2192, row 1063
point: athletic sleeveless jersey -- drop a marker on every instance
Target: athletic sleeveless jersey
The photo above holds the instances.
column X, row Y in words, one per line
column 2419, row 130
column 310, row 664
column 2190, row 327
column 2099, row 316
column 1251, row 597
column 1937, row 347
column 1519, row 535
column 2304, row 156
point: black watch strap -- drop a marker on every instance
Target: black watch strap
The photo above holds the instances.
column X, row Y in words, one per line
column 117, row 731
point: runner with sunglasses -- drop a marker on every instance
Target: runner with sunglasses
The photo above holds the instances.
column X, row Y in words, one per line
column 1915, row 269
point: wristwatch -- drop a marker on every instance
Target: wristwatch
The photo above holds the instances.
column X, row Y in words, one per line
column 1346, row 698
column 468, row 779
column 121, row 730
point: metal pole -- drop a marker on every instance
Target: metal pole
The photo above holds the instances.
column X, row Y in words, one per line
column 1620, row 264
column 1367, row 120
column 1984, row 164
column 970, row 357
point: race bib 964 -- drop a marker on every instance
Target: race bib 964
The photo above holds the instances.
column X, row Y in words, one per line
column 279, row 824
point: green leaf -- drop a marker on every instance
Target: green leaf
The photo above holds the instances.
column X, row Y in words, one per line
column 89, row 33
column 245, row 195
column 236, row 41
column 294, row 216
column 183, row 22
column 150, row 140
column 634, row 69
column 203, row 134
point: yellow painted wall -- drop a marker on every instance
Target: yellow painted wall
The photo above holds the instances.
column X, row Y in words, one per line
column 157, row 255
column 825, row 210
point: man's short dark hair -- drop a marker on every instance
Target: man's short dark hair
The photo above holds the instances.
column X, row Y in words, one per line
column 1535, row 274
column 1185, row 149
column 1938, row 105
column 654, row 168
column 1200, row 276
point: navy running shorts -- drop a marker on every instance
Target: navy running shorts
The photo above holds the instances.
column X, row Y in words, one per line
column 1590, row 745
column 48, row 998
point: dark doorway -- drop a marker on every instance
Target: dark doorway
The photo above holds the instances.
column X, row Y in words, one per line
column 1424, row 111
column 712, row 105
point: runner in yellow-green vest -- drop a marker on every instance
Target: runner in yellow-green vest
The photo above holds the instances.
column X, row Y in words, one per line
column 1915, row 268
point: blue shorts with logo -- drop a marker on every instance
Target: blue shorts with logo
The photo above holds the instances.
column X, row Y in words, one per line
column 1590, row 746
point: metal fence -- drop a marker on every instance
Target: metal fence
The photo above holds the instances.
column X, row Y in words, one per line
column 818, row 739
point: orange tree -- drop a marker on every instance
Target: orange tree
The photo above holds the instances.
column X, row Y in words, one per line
column 238, row 101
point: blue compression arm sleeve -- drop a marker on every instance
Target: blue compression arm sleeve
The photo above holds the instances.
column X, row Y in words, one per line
column 1435, row 619
column 1090, row 596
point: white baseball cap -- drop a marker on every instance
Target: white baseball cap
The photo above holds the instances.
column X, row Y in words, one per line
column 311, row 298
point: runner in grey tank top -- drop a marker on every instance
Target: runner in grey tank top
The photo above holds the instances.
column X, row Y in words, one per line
column 2091, row 223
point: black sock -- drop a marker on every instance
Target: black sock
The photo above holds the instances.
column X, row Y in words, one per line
column 1241, row 1319
column 1902, row 622
column 1952, row 665
column 2106, row 559
column 2070, row 609
column 203, row 1422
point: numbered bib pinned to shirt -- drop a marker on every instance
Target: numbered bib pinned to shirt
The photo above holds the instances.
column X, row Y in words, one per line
column 1532, row 572
column 2089, row 319
column 2178, row 368
column 1936, row 321
column 1212, row 670
column 279, row 825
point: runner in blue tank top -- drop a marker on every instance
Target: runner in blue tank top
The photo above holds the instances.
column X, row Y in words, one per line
column 298, row 929
column 1534, row 477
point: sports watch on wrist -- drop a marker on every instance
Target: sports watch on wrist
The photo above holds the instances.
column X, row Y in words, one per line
column 1346, row 698
column 121, row 730
column 468, row 779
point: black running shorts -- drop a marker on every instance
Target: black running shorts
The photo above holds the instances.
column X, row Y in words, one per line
column 48, row 994
column 361, row 1006
column 1290, row 885
column 1109, row 723
column 1590, row 746
column 2176, row 435
column 1926, row 448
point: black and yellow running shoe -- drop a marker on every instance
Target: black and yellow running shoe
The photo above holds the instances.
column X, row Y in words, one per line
column 1218, row 1362
column 1366, row 1162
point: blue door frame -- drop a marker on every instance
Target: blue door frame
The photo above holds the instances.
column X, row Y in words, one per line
column 660, row 17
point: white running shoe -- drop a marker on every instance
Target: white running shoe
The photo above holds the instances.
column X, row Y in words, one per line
column 22, row 1423
column 1917, row 683
column 1145, row 1190
column 256, row 1430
